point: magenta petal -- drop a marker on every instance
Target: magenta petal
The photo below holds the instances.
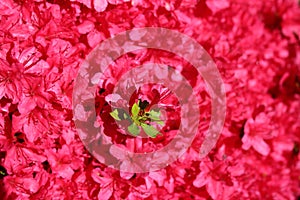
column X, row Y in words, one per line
column 261, row 146
column 215, row 188
column 200, row 180
column 105, row 192
column 100, row 5
column 85, row 27
column 26, row 105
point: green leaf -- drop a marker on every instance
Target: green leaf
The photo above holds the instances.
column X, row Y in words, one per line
column 154, row 115
column 160, row 122
column 150, row 130
column 134, row 129
column 115, row 114
column 125, row 115
column 135, row 110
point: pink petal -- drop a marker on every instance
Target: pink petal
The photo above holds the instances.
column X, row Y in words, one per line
column 261, row 146
column 69, row 136
column 80, row 114
column 65, row 171
column 161, row 72
column 247, row 142
column 126, row 175
column 118, row 152
column 100, row 5
column 85, row 27
column 23, row 31
column 116, row 2
column 26, row 105
column 237, row 170
column 158, row 176
column 26, row 54
column 55, row 11
column 105, row 193
column 200, row 180
column 2, row 91
column 31, row 132
column 87, row 3
column 94, row 38
column 169, row 185
column 216, row 5
column 99, row 178
column 215, row 188
column 38, row 68
column 30, row 184
column 34, row 156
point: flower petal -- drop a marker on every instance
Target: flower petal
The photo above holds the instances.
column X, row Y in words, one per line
column 261, row 146
column 100, row 5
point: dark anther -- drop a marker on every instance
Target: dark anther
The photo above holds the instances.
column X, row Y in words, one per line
column 242, row 131
column 10, row 115
column 101, row 91
column 17, row 134
column 143, row 104
column 20, row 140
column 296, row 35
column 272, row 20
column 47, row 166
column 34, row 174
column 2, row 154
column 3, row 172
column 296, row 149
column 134, row 176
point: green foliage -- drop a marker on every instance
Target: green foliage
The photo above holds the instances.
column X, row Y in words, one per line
column 115, row 114
column 134, row 129
column 135, row 110
column 150, row 130
column 140, row 118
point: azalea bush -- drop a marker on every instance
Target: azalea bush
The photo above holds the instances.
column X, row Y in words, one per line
column 256, row 47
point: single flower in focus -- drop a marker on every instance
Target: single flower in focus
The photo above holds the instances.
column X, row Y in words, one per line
column 140, row 117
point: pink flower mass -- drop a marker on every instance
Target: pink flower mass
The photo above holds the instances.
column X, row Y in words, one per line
column 256, row 47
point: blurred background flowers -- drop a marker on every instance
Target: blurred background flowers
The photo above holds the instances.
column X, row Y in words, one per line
column 256, row 46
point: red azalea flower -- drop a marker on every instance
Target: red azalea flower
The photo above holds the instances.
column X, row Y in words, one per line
column 211, row 176
column 11, row 81
column 60, row 162
column 256, row 131
column 255, row 46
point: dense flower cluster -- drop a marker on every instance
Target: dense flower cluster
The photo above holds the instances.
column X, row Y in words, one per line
column 256, row 46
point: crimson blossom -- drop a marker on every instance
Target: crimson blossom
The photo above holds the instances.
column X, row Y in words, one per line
column 256, row 46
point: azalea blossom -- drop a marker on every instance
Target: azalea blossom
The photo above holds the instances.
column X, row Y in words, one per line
column 43, row 44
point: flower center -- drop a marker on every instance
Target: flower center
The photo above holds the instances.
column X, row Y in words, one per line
column 140, row 116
